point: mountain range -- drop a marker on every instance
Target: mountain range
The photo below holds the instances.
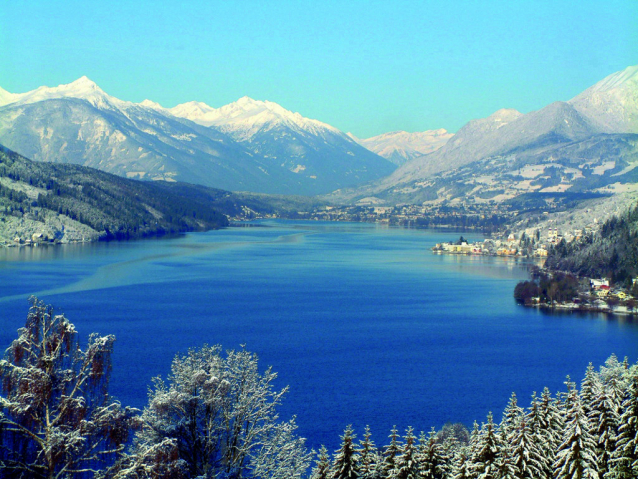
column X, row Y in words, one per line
column 590, row 136
column 586, row 144
column 248, row 145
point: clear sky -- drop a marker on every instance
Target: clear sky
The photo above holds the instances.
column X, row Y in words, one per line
column 363, row 66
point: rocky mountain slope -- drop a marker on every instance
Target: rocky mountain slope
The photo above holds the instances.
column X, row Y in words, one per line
column 79, row 123
column 506, row 141
column 612, row 103
column 401, row 146
column 316, row 152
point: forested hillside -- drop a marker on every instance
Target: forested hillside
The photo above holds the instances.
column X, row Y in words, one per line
column 46, row 202
column 611, row 252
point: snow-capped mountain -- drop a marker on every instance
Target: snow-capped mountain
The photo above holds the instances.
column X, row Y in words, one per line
column 309, row 148
column 608, row 107
column 82, row 88
column 612, row 103
column 80, row 123
column 401, row 146
column 246, row 117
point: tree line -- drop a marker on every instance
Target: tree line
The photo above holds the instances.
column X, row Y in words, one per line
column 215, row 416
column 586, row 433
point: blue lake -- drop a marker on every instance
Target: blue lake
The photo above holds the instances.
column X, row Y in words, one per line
column 363, row 322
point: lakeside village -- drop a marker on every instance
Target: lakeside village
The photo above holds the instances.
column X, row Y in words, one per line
column 551, row 289
column 485, row 217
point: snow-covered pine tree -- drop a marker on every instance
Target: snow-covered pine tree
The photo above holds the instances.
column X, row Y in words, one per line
column 390, row 453
column 525, row 453
column 551, row 430
column 614, row 378
column 378, row 466
column 322, row 465
column 576, row 457
column 461, row 464
column 604, row 419
column 504, row 466
column 486, row 451
column 367, row 455
column 589, row 388
column 345, row 461
column 624, row 459
column 432, row 459
column 56, row 417
column 406, row 462
column 511, row 417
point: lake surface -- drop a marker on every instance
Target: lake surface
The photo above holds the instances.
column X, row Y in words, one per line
column 363, row 322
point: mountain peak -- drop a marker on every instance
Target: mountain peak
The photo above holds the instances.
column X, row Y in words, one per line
column 624, row 78
column 612, row 103
column 83, row 88
column 246, row 100
column 243, row 118
column 151, row 104
column 84, row 82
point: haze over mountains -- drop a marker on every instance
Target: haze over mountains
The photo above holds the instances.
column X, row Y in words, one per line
column 247, row 145
column 573, row 134
column 401, row 146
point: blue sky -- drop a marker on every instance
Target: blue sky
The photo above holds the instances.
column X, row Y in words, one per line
column 363, row 66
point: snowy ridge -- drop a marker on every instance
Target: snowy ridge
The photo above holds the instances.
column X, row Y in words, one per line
column 612, row 103
column 400, row 146
column 153, row 105
column 82, row 88
column 6, row 97
column 246, row 117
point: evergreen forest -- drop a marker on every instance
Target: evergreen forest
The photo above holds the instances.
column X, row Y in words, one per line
column 612, row 252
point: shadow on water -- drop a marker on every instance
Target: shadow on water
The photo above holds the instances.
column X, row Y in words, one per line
column 134, row 271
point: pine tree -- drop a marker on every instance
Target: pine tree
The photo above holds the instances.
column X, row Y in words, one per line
column 553, row 424
column 390, row 454
column 367, row 455
column 624, row 459
column 614, row 378
column 462, row 465
column 406, row 462
column 526, row 454
column 432, row 460
column 589, row 388
column 486, row 451
column 511, row 417
column 345, row 463
column 322, row 465
column 604, row 419
column 576, row 457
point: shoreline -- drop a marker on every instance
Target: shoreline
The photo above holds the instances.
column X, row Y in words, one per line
column 576, row 308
